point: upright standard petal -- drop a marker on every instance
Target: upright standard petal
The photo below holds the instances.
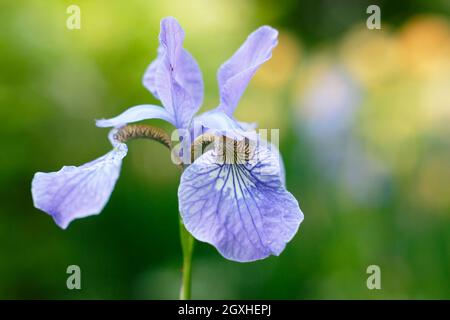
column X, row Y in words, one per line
column 242, row 209
column 137, row 113
column 174, row 77
column 77, row 192
column 233, row 76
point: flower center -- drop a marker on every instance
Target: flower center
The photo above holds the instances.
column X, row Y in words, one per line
column 226, row 150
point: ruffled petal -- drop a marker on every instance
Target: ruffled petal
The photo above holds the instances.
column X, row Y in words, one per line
column 242, row 209
column 174, row 77
column 137, row 113
column 77, row 192
column 234, row 75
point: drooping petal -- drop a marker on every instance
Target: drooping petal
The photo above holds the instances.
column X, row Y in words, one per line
column 77, row 192
column 174, row 77
column 242, row 209
column 137, row 113
column 234, row 75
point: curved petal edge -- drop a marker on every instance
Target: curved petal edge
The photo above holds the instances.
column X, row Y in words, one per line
column 77, row 192
column 234, row 75
column 135, row 114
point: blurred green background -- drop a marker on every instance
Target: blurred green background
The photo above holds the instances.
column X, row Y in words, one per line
column 364, row 131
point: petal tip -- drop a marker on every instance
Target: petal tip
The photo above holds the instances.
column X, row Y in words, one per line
column 170, row 25
column 269, row 29
column 169, row 19
column 102, row 123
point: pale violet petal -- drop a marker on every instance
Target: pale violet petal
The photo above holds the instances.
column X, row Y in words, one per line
column 149, row 78
column 248, row 126
column 219, row 123
column 137, row 113
column 282, row 168
column 77, row 192
column 242, row 209
column 276, row 152
column 234, row 75
column 174, row 77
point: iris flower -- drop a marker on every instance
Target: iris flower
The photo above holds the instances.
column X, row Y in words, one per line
column 240, row 206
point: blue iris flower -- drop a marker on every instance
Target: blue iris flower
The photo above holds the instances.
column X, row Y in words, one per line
column 238, row 202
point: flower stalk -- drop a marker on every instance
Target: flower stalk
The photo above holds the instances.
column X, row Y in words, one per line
column 187, row 246
column 131, row 132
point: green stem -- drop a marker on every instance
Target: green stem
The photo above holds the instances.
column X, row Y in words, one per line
column 187, row 246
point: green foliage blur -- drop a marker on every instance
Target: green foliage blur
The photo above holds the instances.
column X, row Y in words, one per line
column 364, row 131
